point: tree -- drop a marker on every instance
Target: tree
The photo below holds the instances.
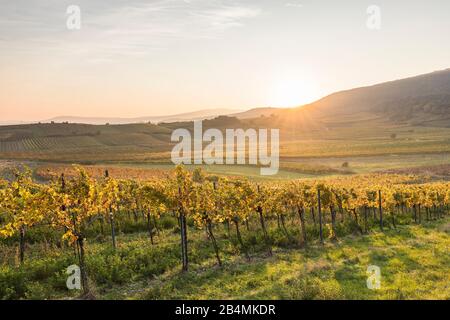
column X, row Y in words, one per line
column 109, row 197
column 207, row 209
column 297, row 195
column 153, row 201
column 20, row 201
column 261, row 202
column 75, row 202
column 238, row 203
column 178, row 195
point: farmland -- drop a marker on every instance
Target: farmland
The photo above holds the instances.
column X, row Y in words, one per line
column 336, row 271
column 323, row 151
column 292, row 240
column 145, row 261
column 224, row 155
column 353, row 190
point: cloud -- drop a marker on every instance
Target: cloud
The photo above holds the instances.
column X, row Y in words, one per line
column 224, row 17
column 114, row 27
column 294, row 5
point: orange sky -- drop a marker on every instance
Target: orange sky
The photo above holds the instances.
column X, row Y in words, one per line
column 172, row 56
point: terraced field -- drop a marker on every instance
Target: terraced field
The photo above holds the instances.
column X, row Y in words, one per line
column 78, row 142
column 338, row 148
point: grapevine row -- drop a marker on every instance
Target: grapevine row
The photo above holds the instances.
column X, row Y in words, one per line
column 73, row 204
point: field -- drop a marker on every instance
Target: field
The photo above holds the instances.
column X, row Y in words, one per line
column 217, row 152
column 414, row 261
column 304, row 239
column 141, row 259
column 336, row 271
column 346, row 147
column 83, row 143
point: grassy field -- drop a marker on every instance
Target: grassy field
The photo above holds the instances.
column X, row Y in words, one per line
column 434, row 165
column 414, row 259
column 367, row 145
column 143, row 150
column 414, row 265
column 414, row 262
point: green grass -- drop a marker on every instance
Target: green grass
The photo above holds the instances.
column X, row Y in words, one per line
column 414, row 262
column 367, row 164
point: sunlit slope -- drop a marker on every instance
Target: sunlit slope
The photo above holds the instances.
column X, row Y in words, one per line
column 408, row 116
column 79, row 141
column 420, row 100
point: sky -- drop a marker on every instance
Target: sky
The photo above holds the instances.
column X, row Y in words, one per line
column 158, row 57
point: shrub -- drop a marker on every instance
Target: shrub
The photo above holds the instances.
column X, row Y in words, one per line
column 167, row 222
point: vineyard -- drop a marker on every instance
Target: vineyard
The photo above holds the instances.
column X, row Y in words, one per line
column 214, row 219
column 64, row 141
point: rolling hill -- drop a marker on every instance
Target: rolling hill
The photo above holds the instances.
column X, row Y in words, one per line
column 189, row 116
column 423, row 99
column 361, row 121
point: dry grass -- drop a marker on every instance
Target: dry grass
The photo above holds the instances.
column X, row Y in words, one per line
column 49, row 172
column 439, row 171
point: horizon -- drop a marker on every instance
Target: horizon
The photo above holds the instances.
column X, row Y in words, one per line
column 170, row 57
column 230, row 112
column 248, row 150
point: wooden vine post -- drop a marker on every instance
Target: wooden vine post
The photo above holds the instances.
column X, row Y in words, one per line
column 183, row 231
column 380, row 208
column 263, row 226
column 319, row 205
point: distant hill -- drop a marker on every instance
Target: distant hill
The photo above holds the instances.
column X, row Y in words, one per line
column 189, row 116
column 255, row 113
column 419, row 100
column 77, row 142
column 365, row 114
column 423, row 99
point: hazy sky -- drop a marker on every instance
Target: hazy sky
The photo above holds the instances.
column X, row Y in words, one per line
column 141, row 58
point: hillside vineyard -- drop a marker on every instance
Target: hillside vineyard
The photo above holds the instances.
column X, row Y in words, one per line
column 73, row 205
column 214, row 152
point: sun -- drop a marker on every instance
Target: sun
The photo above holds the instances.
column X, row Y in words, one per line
column 292, row 93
